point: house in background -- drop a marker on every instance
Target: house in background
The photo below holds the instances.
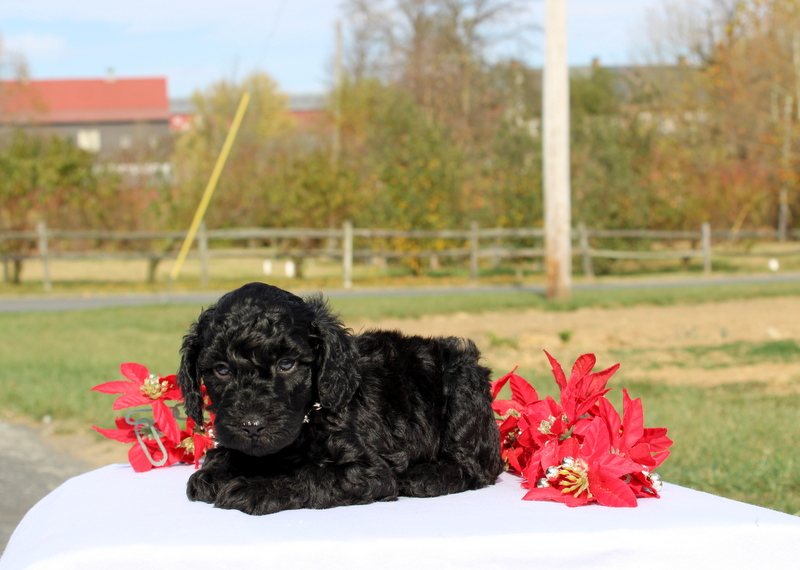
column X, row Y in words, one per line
column 127, row 119
column 128, row 123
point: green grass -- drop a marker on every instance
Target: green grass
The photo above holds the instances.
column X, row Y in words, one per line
column 752, row 352
column 737, row 441
column 714, row 356
column 51, row 360
column 412, row 306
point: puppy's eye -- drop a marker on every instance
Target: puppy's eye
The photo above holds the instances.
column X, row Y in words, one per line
column 222, row 371
column 285, row 364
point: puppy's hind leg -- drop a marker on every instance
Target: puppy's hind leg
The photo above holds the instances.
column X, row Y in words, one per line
column 469, row 449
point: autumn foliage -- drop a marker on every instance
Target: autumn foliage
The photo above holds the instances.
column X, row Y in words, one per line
column 428, row 131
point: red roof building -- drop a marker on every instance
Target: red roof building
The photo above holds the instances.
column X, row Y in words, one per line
column 102, row 115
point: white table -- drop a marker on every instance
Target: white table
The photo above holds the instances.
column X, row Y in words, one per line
column 114, row 518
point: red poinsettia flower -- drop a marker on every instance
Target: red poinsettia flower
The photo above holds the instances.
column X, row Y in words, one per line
column 143, row 458
column 515, row 453
column 193, row 444
column 647, row 447
column 582, row 473
column 578, row 450
column 145, row 389
column 581, row 391
column 161, row 443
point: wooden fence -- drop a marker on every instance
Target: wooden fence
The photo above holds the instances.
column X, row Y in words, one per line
column 349, row 244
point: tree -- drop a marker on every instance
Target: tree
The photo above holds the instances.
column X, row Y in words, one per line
column 738, row 109
column 247, row 193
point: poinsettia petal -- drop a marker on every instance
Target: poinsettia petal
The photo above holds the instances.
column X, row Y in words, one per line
column 497, row 385
column 612, row 492
column 640, row 453
column 515, row 456
column 165, row 421
column 553, row 494
column 642, row 487
column 596, row 442
column 606, row 411
column 501, row 407
column 632, row 419
column 174, row 394
column 121, row 435
column 173, row 391
column 176, row 455
column 657, row 439
column 170, row 379
column 122, row 423
column 552, row 453
column 115, row 387
column 201, row 445
column 597, row 381
column 558, row 372
column 523, row 392
column 582, row 367
column 507, row 425
column 134, row 372
column 130, row 401
column 587, row 402
column 190, row 425
column 543, row 494
column 658, row 458
column 138, row 459
column 616, row 466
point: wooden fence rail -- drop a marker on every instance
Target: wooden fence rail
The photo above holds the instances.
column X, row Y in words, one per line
column 472, row 244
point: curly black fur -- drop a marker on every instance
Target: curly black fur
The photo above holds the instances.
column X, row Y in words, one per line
column 400, row 415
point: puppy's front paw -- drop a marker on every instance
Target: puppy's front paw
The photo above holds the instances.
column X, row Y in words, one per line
column 251, row 496
column 203, row 486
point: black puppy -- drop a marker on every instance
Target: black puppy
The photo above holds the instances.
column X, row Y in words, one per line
column 309, row 415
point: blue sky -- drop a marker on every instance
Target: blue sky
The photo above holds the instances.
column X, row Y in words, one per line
column 196, row 42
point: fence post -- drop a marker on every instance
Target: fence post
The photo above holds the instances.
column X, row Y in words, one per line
column 586, row 254
column 705, row 231
column 202, row 246
column 44, row 255
column 473, row 251
column 347, row 254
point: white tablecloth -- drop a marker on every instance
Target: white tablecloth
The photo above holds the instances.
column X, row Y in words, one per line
column 114, row 518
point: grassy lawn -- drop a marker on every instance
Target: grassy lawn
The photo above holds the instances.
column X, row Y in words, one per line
column 417, row 305
column 738, row 441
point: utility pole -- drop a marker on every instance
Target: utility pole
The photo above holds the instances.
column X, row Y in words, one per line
column 555, row 118
column 783, row 197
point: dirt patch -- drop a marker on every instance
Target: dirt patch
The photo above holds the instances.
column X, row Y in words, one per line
column 678, row 344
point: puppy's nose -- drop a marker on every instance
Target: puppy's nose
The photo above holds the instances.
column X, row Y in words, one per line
column 252, row 427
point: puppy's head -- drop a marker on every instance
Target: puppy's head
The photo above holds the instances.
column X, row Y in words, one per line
column 266, row 356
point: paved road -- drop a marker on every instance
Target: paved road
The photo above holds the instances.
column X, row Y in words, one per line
column 35, row 303
column 28, row 471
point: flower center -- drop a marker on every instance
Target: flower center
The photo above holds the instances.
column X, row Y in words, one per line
column 153, row 388
column 512, row 436
column 547, row 425
column 574, row 478
column 187, row 444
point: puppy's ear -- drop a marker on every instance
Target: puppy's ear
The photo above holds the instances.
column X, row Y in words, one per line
column 188, row 377
column 336, row 355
